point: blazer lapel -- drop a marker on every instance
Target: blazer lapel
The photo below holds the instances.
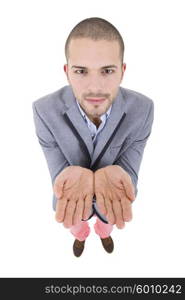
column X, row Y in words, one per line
column 77, row 124
column 117, row 116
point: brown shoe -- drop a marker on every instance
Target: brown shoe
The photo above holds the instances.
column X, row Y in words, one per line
column 108, row 244
column 78, row 247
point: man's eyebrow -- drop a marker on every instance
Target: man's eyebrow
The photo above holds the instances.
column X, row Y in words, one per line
column 110, row 66
column 104, row 67
column 78, row 67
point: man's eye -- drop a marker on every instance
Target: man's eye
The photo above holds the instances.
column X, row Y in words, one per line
column 80, row 71
column 108, row 71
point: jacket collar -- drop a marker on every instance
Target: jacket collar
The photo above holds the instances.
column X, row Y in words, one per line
column 118, row 112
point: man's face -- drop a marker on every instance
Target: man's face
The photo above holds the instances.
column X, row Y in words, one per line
column 94, row 71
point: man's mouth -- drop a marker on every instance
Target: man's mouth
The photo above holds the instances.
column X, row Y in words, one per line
column 95, row 100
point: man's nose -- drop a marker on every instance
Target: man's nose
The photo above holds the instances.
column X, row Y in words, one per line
column 95, row 83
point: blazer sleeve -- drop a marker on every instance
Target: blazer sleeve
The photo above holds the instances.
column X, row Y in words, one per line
column 55, row 159
column 130, row 160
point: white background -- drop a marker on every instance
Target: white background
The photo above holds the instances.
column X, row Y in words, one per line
column 32, row 39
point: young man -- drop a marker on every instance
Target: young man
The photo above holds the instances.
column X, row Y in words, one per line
column 93, row 134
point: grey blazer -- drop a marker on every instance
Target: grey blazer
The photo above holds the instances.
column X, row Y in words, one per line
column 66, row 140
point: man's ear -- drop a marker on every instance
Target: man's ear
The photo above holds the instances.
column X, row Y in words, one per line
column 123, row 68
column 66, row 71
column 65, row 68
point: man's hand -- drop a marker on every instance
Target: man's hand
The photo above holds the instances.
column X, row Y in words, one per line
column 114, row 193
column 74, row 190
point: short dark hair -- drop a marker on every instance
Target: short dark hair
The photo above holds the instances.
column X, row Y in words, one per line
column 95, row 29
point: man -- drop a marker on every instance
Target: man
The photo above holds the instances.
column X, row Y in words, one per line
column 93, row 134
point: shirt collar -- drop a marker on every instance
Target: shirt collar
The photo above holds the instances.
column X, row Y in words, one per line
column 105, row 115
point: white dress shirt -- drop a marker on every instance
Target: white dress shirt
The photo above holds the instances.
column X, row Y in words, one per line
column 92, row 127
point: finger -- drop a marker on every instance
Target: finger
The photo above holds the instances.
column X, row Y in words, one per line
column 70, row 209
column 78, row 212
column 101, row 203
column 87, row 207
column 126, row 209
column 60, row 209
column 129, row 188
column 110, row 214
column 118, row 214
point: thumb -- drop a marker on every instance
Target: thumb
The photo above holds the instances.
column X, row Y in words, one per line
column 130, row 191
column 129, row 187
column 58, row 189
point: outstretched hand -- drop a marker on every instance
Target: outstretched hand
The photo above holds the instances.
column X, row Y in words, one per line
column 114, row 193
column 74, row 190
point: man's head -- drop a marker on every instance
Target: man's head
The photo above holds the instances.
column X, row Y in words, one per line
column 94, row 51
